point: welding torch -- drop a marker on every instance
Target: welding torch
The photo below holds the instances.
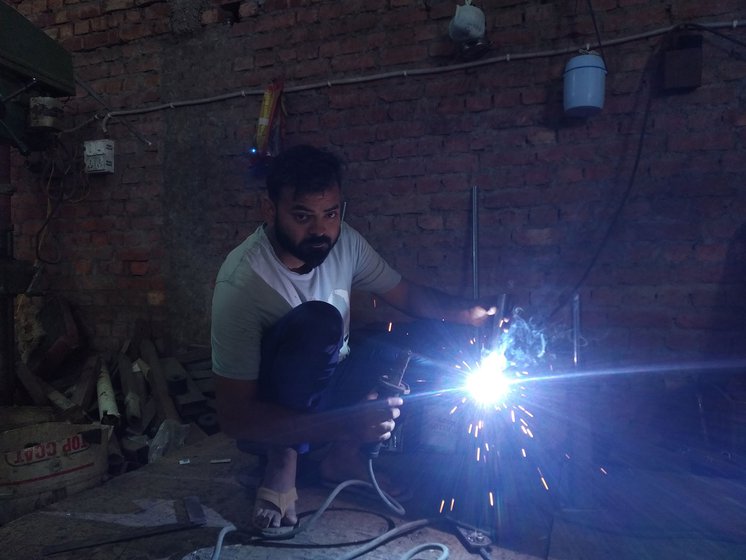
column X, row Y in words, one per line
column 390, row 385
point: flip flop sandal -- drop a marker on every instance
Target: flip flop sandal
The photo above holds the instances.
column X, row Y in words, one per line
column 282, row 501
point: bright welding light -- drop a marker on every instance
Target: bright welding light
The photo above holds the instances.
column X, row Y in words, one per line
column 488, row 384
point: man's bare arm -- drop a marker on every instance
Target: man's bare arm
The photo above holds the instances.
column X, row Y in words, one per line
column 242, row 416
column 427, row 303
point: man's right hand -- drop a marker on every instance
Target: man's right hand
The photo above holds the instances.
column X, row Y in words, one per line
column 373, row 420
column 243, row 416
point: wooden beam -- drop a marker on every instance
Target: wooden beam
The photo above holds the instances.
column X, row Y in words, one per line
column 158, row 385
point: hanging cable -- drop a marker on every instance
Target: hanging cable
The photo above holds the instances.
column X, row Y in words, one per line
column 714, row 32
column 617, row 211
column 598, row 34
column 633, row 174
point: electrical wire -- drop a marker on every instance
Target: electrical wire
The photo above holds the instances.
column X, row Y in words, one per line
column 598, row 34
column 57, row 172
column 701, row 27
column 406, row 73
column 98, row 98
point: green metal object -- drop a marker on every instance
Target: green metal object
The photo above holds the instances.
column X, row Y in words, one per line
column 28, row 52
column 32, row 64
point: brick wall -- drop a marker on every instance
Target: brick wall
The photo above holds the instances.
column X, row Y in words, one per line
column 144, row 243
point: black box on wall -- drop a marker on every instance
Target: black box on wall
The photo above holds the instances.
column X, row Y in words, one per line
column 682, row 63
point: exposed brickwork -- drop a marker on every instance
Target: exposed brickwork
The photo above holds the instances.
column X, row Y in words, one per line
column 145, row 243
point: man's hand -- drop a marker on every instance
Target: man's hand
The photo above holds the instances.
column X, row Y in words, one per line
column 477, row 315
column 243, row 416
column 372, row 421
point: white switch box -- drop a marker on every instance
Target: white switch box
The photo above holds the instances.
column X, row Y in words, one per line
column 99, row 156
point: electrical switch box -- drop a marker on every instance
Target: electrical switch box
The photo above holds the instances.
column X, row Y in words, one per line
column 99, row 156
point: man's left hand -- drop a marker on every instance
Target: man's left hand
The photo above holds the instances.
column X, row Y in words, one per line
column 477, row 315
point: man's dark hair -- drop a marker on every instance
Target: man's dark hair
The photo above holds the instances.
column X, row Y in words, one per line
column 305, row 169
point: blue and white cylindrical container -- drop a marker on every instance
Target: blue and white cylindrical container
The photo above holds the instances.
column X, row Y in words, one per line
column 585, row 82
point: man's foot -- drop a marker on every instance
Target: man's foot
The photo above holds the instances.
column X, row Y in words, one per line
column 275, row 498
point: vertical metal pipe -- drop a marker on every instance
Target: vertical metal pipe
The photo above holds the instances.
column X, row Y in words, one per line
column 475, row 240
column 576, row 330
column 579, row 491
column 478, row 334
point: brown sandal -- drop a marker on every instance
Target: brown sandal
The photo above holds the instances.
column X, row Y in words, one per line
column 281, row 500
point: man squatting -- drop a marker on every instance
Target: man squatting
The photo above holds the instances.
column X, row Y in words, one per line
column 285, row 376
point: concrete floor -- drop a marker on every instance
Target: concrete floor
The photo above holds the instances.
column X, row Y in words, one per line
column 153, row 496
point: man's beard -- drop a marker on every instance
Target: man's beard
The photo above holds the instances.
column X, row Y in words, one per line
column 305, row 250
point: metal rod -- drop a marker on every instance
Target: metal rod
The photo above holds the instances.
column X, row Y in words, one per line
column 576, row 330
column 18, row 92
column 501, row 305
column 475, row 240
column 7, row 319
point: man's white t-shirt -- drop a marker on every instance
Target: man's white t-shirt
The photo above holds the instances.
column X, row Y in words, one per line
column 254, row 289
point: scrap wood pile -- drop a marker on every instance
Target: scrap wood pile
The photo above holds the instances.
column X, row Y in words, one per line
column 152, row 404
column 151, row 401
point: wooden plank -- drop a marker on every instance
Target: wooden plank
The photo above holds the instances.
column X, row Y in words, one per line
column 85, row 388
column 43, row 393
column 18, row 416
column 32, row 384
column 68, row 409
column 159, row 387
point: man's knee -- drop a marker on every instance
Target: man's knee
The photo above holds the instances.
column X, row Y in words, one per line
column 318, row 316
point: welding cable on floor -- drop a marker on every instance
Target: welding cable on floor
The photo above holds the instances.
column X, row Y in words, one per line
column 395, row 506
column 396, row 532
column 318, row 513
column 390, row 502
column 221, row 536
column 484, row 554
column 428, row 546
